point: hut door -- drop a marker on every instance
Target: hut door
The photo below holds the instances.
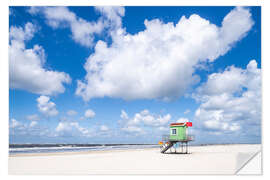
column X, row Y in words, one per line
column 182, row 133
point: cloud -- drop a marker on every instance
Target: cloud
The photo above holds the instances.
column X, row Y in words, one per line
column 231, row 101
column 28, row 129
column 235, row 26
column 83, row 31
column 146, row 118
column 164, row 129
column 159, row 62
column 124, row 115
column 187, row 111
column 104, row 128
column 133, row 129
column 143, row 121
column 71, row 113
column 74, row 129
column 33, row 117
column 14, row 123
column 46, row 106
column 64, row 128
column 113, row 15
column 182, row 120
column 71, row 128
column 20, row 34
column 89, row 113
column 26, row 66
column 33, row 124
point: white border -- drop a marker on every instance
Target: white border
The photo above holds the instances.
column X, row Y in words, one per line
column 4, row 71
column 137, row 2
column 4, row 87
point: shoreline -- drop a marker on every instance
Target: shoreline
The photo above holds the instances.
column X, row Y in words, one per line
column 76, row 152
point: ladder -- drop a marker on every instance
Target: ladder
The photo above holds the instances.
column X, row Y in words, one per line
column 167, row 146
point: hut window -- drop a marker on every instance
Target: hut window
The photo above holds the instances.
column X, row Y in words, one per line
column 173, row 131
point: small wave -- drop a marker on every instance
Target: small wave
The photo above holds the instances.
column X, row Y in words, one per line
column 75, row 149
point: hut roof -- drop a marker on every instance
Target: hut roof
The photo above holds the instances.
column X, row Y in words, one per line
column 177, row 124
column 181, row 124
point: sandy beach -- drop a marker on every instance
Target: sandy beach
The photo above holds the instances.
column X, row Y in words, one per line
column 211, row 159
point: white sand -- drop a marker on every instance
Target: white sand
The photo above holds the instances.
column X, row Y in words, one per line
column 213, row 159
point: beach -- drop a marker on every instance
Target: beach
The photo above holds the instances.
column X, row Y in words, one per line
column 210, row 159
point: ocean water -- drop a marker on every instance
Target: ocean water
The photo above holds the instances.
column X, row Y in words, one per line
column 23, row 149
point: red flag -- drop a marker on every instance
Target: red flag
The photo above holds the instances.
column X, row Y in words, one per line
column 189, row 124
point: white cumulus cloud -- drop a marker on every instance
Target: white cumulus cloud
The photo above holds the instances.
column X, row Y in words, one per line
column 133, row 129
column 33, row 117
column 104, row 128
column 71, row 113
column 143, row 121
column 231, row 101
column 159, row 62
column 28, row 129
column 71, row 128
column 89, row 113
column 33, row 124
column 187, row 111
column 47, row 107
column 182, row 120
column 83, row 31
column 26, row 66
column 113, row 15
column 14, row 123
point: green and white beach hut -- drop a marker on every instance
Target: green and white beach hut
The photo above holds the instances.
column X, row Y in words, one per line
column 178, row 134
column 179, row 131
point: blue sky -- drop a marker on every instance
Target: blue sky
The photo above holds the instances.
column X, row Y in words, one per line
column 122, row 74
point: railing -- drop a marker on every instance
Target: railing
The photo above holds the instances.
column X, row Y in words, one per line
column 166, row 138
column 190, row 137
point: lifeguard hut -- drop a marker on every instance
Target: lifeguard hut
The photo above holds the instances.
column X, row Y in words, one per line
column 178, row 134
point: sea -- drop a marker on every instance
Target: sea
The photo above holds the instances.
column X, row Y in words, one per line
column 53, row 148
